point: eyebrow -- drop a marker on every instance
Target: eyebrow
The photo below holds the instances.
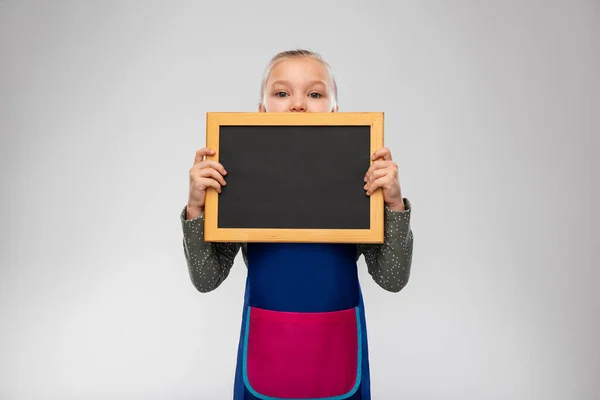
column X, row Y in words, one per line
column 313, row 82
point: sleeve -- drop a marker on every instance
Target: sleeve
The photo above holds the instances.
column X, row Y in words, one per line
column 389, row 264
column 208, row 263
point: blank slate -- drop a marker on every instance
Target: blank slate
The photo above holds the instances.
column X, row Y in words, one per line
column 294, row 177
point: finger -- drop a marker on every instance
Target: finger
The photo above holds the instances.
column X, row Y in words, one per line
column 375, row 165
column 210, row 164
column 370, row 187
column 207, row 182
column 378, row 173
column 201, row 153
column 212, row 173
column 380, row 165
column 378, row 183
column 384, row 153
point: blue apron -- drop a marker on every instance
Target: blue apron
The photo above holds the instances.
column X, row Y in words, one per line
column 303, row 332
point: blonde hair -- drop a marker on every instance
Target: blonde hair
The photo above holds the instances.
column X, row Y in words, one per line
column 287, row 54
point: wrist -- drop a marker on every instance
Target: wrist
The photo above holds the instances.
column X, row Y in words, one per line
column 397, row 205
column 192, row 211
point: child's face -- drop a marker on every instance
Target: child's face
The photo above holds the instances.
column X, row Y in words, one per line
column 298, row 85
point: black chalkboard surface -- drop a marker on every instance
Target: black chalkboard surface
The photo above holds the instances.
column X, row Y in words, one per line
column 294, row 177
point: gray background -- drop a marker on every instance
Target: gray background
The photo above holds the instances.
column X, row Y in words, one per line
column 491, row 113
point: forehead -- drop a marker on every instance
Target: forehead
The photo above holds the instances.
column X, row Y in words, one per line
column 298, row 70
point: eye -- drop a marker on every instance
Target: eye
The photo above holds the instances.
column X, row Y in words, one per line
column 315, row 95
column 281, row 94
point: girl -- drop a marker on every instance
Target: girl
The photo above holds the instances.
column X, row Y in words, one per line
column 303, row 333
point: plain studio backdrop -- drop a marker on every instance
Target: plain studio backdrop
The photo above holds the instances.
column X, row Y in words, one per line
column 491, row 113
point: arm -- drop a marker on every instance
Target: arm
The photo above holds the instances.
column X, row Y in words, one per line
column 389, row 263
column 208, row 263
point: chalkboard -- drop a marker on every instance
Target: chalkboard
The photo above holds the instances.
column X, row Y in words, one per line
column 294, row 177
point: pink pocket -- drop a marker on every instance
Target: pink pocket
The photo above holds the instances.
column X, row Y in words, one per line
column 302, row 355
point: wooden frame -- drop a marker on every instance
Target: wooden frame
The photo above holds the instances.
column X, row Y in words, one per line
column 212, row 232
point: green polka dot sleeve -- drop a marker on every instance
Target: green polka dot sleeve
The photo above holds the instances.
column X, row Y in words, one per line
column 389, row 263
column 208, row 263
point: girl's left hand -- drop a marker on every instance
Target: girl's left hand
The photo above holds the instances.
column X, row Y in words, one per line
column 383, row 173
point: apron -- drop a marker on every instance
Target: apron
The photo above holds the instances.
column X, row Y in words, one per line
column 303, row 333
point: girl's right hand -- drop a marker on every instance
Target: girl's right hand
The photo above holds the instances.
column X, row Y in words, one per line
column 204, row 174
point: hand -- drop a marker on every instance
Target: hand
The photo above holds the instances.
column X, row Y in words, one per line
column 204, row 174
column 383, row 173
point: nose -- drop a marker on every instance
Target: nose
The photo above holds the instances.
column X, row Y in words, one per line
column 298, row 104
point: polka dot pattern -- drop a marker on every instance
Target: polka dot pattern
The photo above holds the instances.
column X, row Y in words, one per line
column 208, row 263
column 389, row 263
